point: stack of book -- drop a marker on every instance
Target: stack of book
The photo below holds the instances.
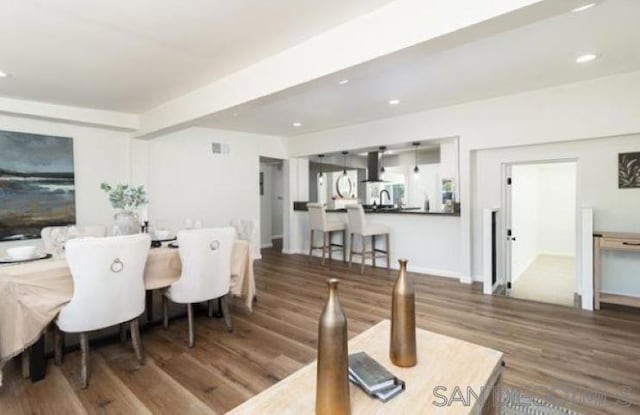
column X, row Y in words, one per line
column 373, row 378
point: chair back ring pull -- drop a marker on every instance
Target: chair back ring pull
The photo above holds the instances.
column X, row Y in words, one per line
column 117, row 266
column 214, row 245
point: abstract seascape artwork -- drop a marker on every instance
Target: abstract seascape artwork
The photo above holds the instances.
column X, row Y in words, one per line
column 37, row 186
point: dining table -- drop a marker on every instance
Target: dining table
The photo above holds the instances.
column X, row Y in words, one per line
column 33, row 293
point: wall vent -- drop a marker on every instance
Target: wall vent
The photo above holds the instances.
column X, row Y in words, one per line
column 219, row 148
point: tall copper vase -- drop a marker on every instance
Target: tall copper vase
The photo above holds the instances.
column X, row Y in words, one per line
column 332, row 387
column 402, row 350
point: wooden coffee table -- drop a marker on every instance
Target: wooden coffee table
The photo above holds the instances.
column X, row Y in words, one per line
column 452, row 377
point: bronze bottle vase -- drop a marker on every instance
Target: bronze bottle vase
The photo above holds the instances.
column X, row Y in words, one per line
column 402, row 350
column 332, row 380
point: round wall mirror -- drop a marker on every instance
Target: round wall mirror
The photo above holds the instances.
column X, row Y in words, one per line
column 344, row 186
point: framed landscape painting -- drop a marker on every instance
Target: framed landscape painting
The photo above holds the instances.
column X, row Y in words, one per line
column 37, row 184
column 629, row 170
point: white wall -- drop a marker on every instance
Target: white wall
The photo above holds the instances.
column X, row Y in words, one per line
column 99, row 155
column 601, row 107
column 557, row 209
column 186, row 180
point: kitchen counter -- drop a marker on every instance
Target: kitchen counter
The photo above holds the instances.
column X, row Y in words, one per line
column 302, row 207
column 429, row 240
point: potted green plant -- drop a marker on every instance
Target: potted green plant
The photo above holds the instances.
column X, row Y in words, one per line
column 127, row 200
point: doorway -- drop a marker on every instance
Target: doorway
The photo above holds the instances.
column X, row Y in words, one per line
column 271, row 203
column 540, row 231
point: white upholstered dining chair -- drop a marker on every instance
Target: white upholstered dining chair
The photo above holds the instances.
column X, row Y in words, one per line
column 108, row 289
column 48, row 235
column 206, row 273
column 248, row 230
column 97, row 231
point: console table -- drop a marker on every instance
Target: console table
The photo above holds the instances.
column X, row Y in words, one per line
column 445, row 363
column 612, row 241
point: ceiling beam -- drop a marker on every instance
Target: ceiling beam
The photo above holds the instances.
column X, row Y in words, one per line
column 64, row 113
column 395, row 26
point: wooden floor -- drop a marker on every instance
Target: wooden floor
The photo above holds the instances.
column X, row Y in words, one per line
column 553, row 350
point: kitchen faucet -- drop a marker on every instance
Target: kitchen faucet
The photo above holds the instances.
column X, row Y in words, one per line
column 388, row 195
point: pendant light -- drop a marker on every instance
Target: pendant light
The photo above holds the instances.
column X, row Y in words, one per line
column 416, row 169
column 321, row 174
column 344, row 166
column 382, row 150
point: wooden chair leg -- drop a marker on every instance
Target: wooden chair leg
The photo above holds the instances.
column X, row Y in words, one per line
column 165, row 311
column 25, row 364
column 350, row 250
column 58, row 345
column 84, row 360
column 344, row 246
column 224, row 303
column 310, row 244
column 134, row 326
column 388, row 248
column 329, row 244
column 149, row 304
column 192, row 336
column 373, row 250
column 362, row 255
column 123, row 333
column 210, row 306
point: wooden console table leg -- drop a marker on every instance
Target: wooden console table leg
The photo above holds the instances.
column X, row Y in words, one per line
column 37, row 362
column 493, row 404
column 597, row 272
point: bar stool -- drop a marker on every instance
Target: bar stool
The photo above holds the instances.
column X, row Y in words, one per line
column 318, row 222
column 358, row 226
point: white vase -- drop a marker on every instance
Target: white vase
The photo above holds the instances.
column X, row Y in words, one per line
column 125, row 223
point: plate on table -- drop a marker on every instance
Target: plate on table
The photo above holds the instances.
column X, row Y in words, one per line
column 157, row 243
column 37, row 257
column 166, row 239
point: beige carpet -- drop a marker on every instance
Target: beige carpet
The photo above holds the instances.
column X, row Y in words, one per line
column 549, row 279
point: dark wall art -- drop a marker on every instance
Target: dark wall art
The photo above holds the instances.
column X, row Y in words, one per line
column 629, row 170
column 37, row 186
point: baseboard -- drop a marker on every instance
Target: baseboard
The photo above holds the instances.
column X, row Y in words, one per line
column 293, row 251
column 267, row 245
column 276, row 237
column 416, row 269
column 562, row 254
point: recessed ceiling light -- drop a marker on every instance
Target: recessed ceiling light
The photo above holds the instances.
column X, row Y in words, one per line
column 297, row 124
column 4, row 74
column 394, row 102
column 584, row 7
column 587, row 57
column 235, row 114
column 343, row 81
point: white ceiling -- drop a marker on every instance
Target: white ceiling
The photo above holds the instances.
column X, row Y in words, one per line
column 538, row 55
column 132, row 55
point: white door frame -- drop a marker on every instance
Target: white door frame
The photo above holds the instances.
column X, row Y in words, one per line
column 505, row 263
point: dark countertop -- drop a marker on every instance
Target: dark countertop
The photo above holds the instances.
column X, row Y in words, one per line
column 302, row 207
